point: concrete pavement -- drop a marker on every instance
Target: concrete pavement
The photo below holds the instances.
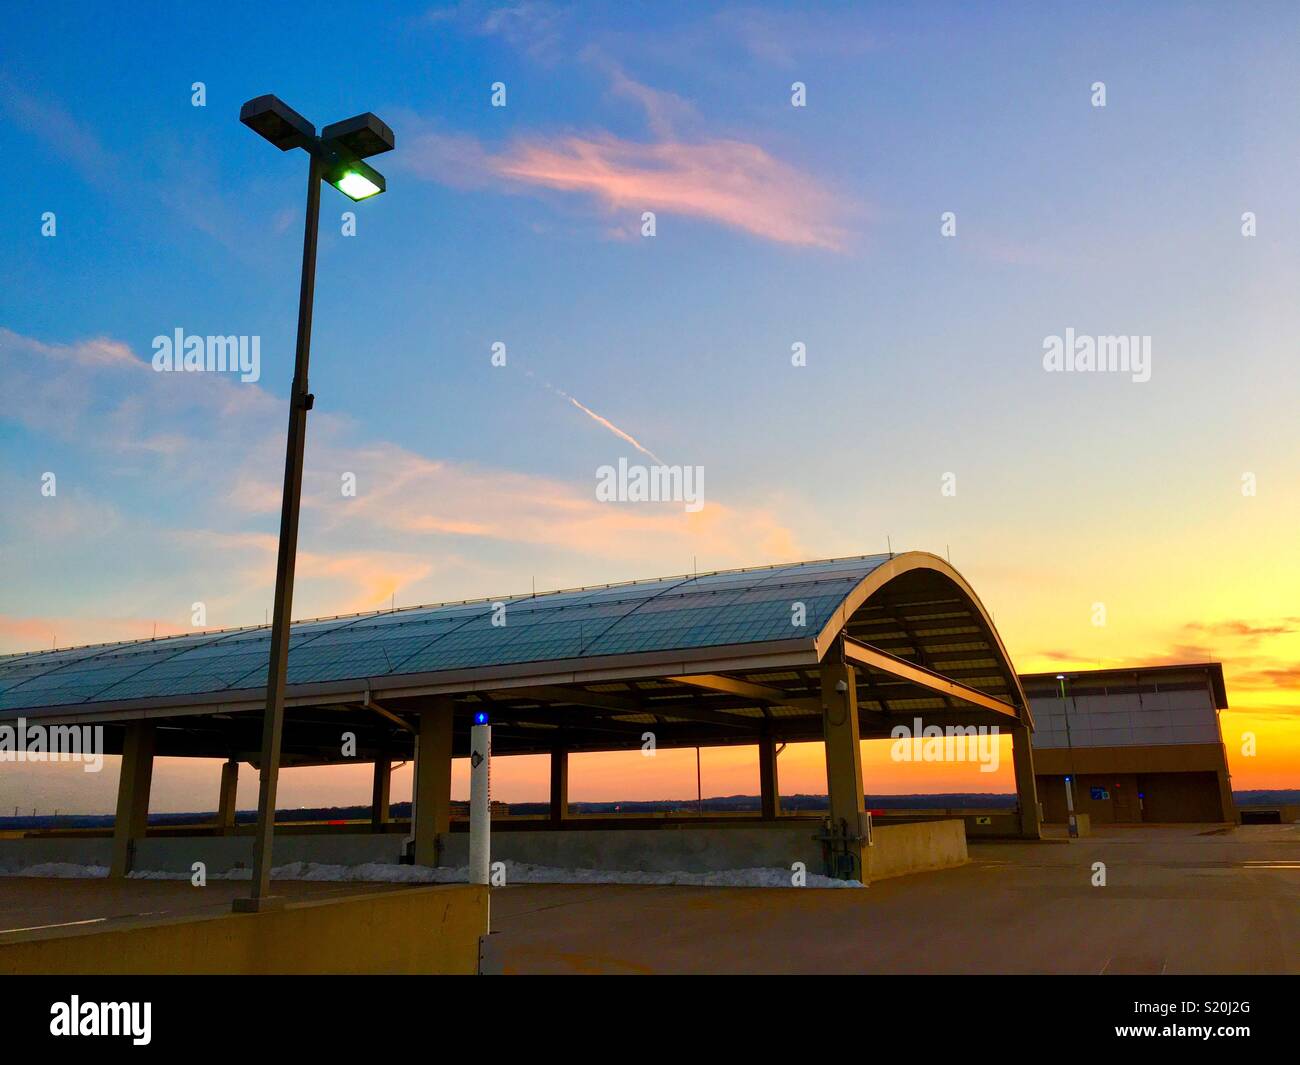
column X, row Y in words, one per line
column 1178, row 899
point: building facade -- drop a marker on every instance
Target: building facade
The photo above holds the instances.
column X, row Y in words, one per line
column 1140, row 745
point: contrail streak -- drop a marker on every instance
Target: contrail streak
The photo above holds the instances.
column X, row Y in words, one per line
column 600, row 419
column 614, row 428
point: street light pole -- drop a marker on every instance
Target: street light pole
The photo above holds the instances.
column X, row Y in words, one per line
column 300, row 402
column 334, row 156
column 1072, row 822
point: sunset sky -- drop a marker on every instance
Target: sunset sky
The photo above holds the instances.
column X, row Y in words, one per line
column 775, row 225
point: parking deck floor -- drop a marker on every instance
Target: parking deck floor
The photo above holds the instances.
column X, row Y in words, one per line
column 1176, row 899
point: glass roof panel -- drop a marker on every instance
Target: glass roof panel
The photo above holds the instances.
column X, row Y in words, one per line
column 682, row 612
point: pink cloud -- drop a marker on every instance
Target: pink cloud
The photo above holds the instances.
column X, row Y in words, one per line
column 729, row 182
column 41, row 633
column 726, row 181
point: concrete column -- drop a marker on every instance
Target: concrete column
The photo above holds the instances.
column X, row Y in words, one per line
column 1226, row 802
column 379, row 794
column 768, row 779
column 1022, row 755
column 559, row 785
column 433, row 779
column 132, row 795
column 229, row 790
column 843, row 767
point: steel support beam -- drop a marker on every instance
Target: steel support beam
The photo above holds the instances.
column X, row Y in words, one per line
column 554, row 698
column 387, row 715
column 760, row 693
column 555, row 693
column 863, row 655
column 702, row 716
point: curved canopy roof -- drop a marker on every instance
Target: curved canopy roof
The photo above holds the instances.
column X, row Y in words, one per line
column 912, row 609
column 671, row 613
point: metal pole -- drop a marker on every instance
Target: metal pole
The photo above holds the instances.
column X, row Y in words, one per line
column 300, row 402
column 1071, row 821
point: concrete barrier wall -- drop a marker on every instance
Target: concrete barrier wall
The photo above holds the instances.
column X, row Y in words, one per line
column 898, row 849
column 220, row 854
column 915, row 848
column 651, row 850
column 980, row 824
column 660, row 850
column 406, row 931
column 1000, row 825
column 19, row 854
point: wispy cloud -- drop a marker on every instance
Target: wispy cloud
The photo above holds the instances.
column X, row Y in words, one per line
column 39, row 633
column 55, row 126
column 723, row 180
column 786, row 38
column 409, row 495
column 1246, row 630
column 184, row 176
column 99, row 394
column 537, row 28
column 728, row 182
column 1257, row 655
column 665, row 112
column 206, row 451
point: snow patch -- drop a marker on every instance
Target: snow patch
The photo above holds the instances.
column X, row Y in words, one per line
column 516, row 873
column 62, row 871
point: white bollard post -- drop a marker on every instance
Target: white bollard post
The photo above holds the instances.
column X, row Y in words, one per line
column 480, row 800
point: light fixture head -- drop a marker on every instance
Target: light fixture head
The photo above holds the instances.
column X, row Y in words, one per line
column 360, row 136
column 356, row 180
column 270, row 117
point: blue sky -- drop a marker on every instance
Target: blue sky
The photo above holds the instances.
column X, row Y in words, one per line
column 775, row 225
